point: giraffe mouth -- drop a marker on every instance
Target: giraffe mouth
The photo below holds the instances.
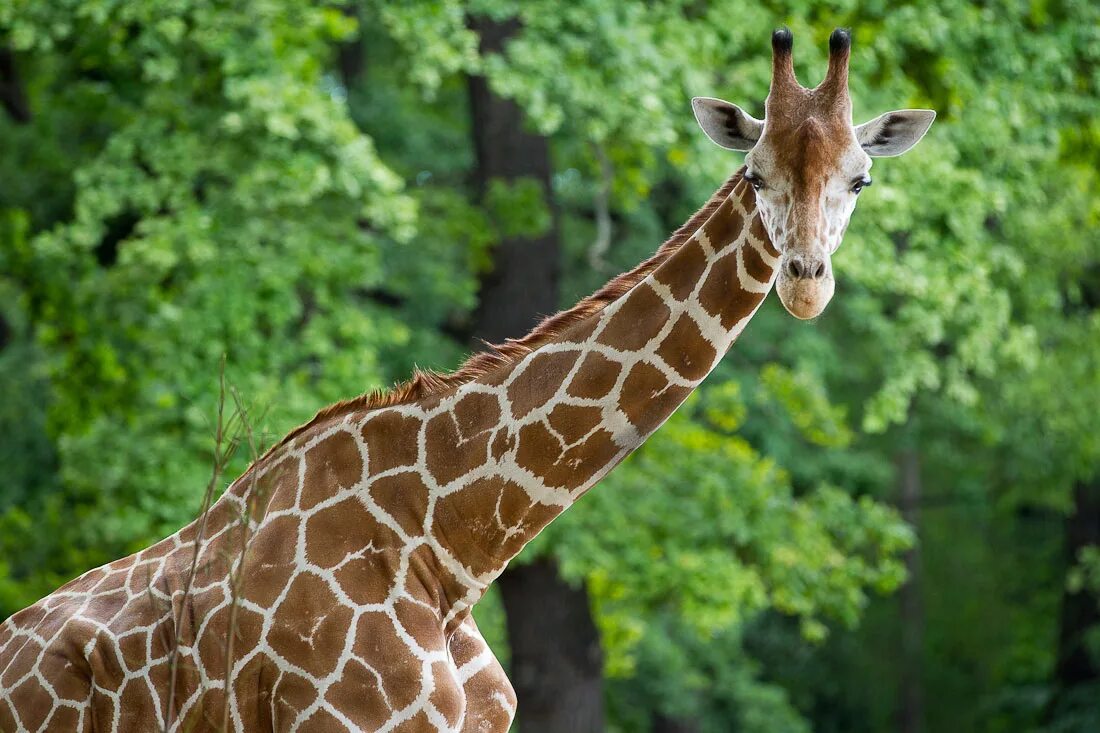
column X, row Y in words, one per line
column 805, row 298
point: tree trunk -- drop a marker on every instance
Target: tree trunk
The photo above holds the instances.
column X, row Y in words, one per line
column 12, row 95
column 523, row 284
column 350, row 56
column 556, row 656
column 911, row 703
column 1080, row 611
column 1077, row 669
column 557, row 665
column 665, row 724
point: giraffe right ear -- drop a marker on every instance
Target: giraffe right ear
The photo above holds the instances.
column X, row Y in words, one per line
column 727, row 124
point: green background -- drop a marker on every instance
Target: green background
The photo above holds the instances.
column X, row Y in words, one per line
column 183, row 179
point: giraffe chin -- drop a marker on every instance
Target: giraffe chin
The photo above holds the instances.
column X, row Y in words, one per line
column 805, row 298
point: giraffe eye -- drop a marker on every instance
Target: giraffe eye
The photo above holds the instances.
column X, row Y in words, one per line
column 755, row 181
column 859, row 184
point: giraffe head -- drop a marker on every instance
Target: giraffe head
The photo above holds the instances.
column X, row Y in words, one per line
column 808, row 163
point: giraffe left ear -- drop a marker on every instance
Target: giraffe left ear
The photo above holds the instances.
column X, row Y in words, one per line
column 727, row 124
column 894, row 132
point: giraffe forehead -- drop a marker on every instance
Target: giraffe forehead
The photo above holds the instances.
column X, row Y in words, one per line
column 806, row 155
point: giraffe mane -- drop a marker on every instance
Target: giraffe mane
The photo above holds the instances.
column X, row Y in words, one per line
column 426, row 383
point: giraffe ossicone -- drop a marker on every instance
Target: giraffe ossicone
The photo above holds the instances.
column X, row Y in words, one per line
column 335, row 578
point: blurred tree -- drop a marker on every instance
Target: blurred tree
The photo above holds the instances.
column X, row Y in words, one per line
column 555, row 649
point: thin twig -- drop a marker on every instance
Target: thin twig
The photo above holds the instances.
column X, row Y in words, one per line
column 602, row 204
column 220, row 459
column 236, row 576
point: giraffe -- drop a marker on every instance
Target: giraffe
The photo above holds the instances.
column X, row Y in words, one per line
column 330, row 586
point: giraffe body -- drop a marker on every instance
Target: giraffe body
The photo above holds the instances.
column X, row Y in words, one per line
column 334, row 580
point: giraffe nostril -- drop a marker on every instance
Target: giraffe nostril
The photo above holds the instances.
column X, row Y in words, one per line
column 819, row 271
column 794, row 268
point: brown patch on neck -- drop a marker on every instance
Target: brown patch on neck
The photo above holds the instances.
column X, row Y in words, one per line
column 425, row 384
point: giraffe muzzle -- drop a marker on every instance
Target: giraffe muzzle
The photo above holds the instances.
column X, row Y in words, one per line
column 805, row 284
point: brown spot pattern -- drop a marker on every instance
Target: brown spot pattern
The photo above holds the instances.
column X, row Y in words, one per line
column 755, row 266
column 640, row 317
column 720, row 287
column 724, row 228
column 573, row 423
column 340, row 530
column 648, row 398
column 405, row 498
column 378, row 645
column 449, row 455
column 539, row 380
column 313, row 636
column 686, row 350
column 595, row 378
column 391, row 441
column 360, row 692
column 476, row 413
column 275, row 553
column 692, row 261
column 336, row 464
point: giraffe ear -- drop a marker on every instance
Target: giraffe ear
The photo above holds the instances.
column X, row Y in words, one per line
column 727, row 124
column 894, row 132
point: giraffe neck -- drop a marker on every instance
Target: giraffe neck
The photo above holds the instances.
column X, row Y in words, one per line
column 443, row 491
column 528, row 439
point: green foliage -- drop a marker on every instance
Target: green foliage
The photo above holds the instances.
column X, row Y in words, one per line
column 518, row 208
column 804, row 399
column 1085, row 576
column 227, row 204
column 201, row 178
column 679, row 675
